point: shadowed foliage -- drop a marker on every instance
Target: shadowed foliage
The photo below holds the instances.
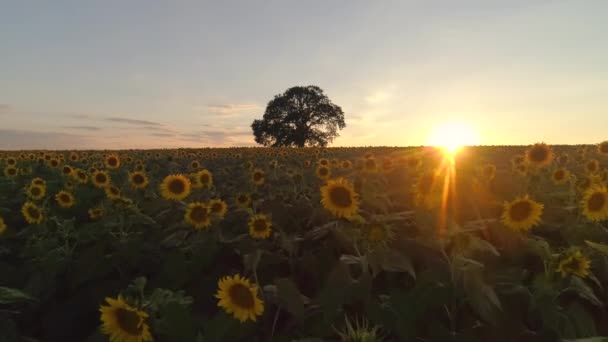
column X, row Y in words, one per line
column 301, row 116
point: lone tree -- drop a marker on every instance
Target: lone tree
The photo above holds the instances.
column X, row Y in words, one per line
column 301, row 116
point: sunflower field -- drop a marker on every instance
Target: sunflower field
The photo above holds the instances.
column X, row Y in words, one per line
column 496, row 243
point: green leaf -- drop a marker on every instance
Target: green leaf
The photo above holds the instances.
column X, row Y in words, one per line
column 288, row 293
column 600, row 247
column 579, row 286
column 176, row 323
column 9, row 296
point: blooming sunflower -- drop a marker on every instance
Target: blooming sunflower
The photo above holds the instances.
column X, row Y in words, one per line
column 257, row 177
column 138, row 180
column 67, row 170
column 243, row 200
column 195, row 164
column 595, row 203
column 36, row 191
column 260, row 226
column 10, row 171
column 592, row 166
column 218, row 207
column 2, row 226
column 539, row 155
column 100, row 178
column 198, row 215
column 32, row 213
column 602, row 148
column 576, row 264
column 65, row 199
column 521, row 213
column 112, row 192
column 175, row 187
column 239, row 297
column 38, row 181
column 123, row 322
column 323, row 161
column 112, row 161
column 96, row 213
column 323, row 172
column 560, row 176
column 81, row 176
column 203, row 179
column 339, row 197
column 346, row 164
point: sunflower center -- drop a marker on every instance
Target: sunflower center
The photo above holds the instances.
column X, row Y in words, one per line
column 323, row 171
column 204, row 178
column 241, row 296
column 138, row 179
column 199, row 214
column 341, row 197
column 259, row 225
column 112, row 161
column 129, row 321
column 67, row 170
column 217, row 207
column 539, row 154
column 35, row 191
column 520, row 211
column 559, row 174
column 177, row 186
column 33, row 213
column 596, row 202
column 257, row 176
column 12, row 171
column 592, row 166
column 64, row 198
column 101, row 178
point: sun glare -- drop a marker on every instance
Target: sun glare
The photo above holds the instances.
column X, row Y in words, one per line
column 452, row 136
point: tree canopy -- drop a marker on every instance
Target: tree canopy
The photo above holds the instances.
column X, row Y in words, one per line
column 301, row 116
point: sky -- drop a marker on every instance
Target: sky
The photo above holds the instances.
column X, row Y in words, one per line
column 119, row 74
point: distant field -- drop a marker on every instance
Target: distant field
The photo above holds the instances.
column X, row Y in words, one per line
column 257, row 244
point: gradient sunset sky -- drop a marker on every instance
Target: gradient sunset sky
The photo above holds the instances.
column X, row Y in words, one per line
column 149, row 74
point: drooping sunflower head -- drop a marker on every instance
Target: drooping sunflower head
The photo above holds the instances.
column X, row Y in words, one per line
column 339, row 197
column 576, row 264
column 65, row 199
column 32, row 213
column 540, row 154
column 123, row 322
column 36, row 191
column 522, row 213
column 112, row 161
column 260, row 226
column 243, row 200
column 138, row 180
column 218, row 207
column 257, row 177
column 595, row 203
column 175, row 187
column 239, row 297
column 96, row 213
column 323, row 172
column 592, row 166
column 198, row 214
column 602, row 148
column 560, row 176
column 100, row 178
column 112, row 192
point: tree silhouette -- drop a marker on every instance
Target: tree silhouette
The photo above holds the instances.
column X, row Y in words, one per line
column 301, row 116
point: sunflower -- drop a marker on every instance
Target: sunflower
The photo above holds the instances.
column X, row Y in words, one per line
column 138, row 180
column 123, row 322
column 36, row 191
column 576, row 264
column 323, row 172
column 257, row 177
column 595, row 203
column 96, row 213
column 539, row 155
column 175, row 187
column 64, row 199
column 195, row 164
column 112, row 161
column 203, row 179
column 198, row 215
column 10, row 171
column 101, row 178
column 323, row 161
column 112, row 192
column 239, row 297
column 260, row 226
column 377, row 234
column 346, row 164
column 32, row 213
column 560, row 176
column 521, row 213
column 602, row 148
column 81, row 176
column 339, row 197
column 243, row 200
column 592, row 166
column 67, row 170
column 38, row 181
column 488, row 172
column 2, row 226
column 218, row 207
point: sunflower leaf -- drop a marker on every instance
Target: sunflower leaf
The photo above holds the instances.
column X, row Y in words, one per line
column 9, row 295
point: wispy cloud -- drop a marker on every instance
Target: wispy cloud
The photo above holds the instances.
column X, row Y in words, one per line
column 86, row 128
column 232, row 108
column 134, row 121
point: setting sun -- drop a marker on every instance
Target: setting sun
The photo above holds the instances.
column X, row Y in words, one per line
column 453, row 135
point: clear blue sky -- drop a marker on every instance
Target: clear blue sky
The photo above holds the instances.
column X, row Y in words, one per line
column 137, row 74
